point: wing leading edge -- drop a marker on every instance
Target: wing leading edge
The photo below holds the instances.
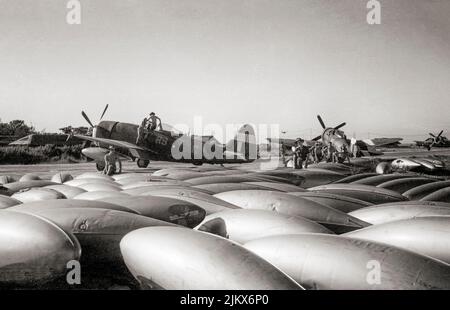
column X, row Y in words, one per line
column 117, row 143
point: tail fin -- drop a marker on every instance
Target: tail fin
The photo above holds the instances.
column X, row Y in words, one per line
column 244, row 143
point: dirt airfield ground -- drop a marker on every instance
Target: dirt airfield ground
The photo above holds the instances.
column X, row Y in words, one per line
column 100, row 276
column 46, row 170
column 49, row 169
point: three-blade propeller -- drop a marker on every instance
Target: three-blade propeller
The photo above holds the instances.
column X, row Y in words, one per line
column 436, row 139
column 70, row 135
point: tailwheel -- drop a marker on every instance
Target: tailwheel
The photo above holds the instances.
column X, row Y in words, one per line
column 100, row 165
column 143, row 163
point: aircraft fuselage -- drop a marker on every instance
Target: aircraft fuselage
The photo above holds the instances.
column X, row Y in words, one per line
column 161, row 143
column 336, row 138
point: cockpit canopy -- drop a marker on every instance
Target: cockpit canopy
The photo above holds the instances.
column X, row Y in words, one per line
column 173, row 131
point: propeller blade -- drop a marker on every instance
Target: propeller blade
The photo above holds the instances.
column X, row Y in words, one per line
column 440, row 133
column 104, row 111
column 317, row 138
column 321, row 122
column 86, row 118
column 340, row 125
column 432, row 135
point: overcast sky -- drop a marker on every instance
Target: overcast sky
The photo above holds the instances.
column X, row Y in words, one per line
column 229, row 61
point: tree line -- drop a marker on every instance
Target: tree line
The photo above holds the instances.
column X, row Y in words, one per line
column 17, row 128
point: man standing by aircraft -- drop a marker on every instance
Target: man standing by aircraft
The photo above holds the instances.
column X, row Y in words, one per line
column 298, row 154
column 305, row 152
column 328, row 152
column 344, row 154
column 110, row 162
column 316, row 152
column 354, row 149
column 332, row 156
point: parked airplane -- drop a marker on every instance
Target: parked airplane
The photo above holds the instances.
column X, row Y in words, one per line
column 338, row 139
column 330, row 136
column 434, row 141
column 166, row 144
column 369, row 147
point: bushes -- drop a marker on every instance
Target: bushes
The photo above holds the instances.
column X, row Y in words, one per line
column 34, row 155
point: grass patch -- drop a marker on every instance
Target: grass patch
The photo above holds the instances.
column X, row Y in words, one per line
column 23, row 155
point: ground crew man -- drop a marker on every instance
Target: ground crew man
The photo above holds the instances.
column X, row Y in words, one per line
column 316, row 152
column 345, row 154
column 141, row 131
column 153, row 121
column 110, row 162
column 354, row 148
column 329, row 152
column 305, row 155
column 297, row 154
column 335, row 155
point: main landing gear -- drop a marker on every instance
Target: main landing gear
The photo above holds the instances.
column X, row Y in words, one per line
column 143, row 163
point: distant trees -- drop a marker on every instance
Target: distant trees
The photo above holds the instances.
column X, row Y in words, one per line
column 16, row 128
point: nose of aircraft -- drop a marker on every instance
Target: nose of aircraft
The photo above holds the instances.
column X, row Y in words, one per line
column 341, row 144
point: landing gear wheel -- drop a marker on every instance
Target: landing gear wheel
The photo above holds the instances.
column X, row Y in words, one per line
column 197, row 163
column 100, row 166
column 143, row 163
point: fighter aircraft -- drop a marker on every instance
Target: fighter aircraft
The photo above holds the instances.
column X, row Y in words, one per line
column 369, row 147
column 330, row 135
column 434, row 141
column 166, row 144
column 339, row 141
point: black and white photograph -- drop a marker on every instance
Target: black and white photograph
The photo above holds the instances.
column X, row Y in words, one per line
column 235, row 146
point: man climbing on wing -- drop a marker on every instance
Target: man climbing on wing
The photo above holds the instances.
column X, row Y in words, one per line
column 153, row 122
column 141, row 131
column 110, row 162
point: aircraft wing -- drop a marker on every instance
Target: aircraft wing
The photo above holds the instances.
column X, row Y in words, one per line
column 117, row 143
column 286, row 142
column 289, row 142
column 382, row 141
